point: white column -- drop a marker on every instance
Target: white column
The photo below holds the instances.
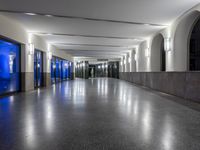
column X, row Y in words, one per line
column 133, row 61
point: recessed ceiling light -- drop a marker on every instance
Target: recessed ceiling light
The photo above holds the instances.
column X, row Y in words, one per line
column 48, row 15
column 31, row 14
column 49, row 34
column 147, row 24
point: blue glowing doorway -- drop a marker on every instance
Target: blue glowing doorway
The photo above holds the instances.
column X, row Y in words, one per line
column 38, row 68
column 9, row 67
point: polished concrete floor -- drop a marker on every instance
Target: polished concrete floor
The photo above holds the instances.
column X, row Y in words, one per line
column 97, row 114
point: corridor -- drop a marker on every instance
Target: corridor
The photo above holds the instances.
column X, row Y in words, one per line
column 96, row 114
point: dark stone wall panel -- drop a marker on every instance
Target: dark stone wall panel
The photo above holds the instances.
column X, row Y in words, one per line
column 193, row 86
column 182, row 84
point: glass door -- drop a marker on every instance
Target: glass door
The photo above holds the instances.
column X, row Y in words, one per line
column 9, row 67
column 38, row 69
column 53, row 70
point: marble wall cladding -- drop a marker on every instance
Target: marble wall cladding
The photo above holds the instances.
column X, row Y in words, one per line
column 193, row 86
column 46, row 79
column 72, row 76
column 182, row 84
column 27, row 81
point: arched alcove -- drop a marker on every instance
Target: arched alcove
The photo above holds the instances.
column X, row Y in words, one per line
column 182, row 36
column 158, row 56
column 194, row 47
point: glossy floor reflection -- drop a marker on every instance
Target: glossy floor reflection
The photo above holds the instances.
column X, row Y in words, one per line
column 97, row 114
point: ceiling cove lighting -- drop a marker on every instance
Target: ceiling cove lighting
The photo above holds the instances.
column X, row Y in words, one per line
column 30, row 14
column 48, row 15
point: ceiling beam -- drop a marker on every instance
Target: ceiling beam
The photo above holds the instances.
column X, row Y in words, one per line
column 83, row 18
column 90, row 36
column 97, row 45
column 103, row 51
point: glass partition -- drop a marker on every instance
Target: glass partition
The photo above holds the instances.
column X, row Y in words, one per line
column 53, row 70
column 38, row 65
column 60, row 69
column 9, row 67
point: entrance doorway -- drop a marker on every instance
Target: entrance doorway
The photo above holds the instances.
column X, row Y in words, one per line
column 38, row 69
column 158, row 57
column 194, row 48
column 163, row 56
column 9, row 67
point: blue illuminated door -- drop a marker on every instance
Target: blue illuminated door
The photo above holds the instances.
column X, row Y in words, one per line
column 38, row 68
column 58, row 70
column 64, row 69
column 53, row 70
column 70, row 70
column 9, row 67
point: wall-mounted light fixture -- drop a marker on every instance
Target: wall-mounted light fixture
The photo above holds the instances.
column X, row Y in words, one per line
column 31, row 49
column 103, row 66
column 129, row 59
column 168, row 44
column 49, row 55
column 99, row 67
column 147, row 52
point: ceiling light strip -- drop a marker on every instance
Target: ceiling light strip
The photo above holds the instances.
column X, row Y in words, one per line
column 97, row 45
column 84, row 18
column 83, row 50
column 92, row 36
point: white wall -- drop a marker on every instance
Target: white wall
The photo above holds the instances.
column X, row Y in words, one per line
column 155, row 60
column 142, row 60
column 127, row 62
column 14, row 31
column 177, row 58
column 133, row 60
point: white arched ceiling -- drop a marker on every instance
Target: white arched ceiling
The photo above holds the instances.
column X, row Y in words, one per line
column 181, row 40
column 96, row 28
column 156, row 47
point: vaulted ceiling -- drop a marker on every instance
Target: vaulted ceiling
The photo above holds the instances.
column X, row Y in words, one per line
column 95, row 28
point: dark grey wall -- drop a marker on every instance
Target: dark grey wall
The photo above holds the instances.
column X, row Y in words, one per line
column 182, row 84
